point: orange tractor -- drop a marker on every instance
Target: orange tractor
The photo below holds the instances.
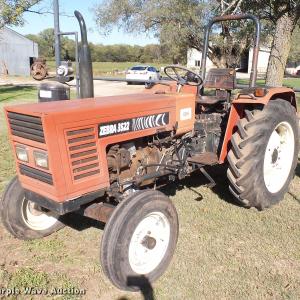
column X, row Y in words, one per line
column 105, row 156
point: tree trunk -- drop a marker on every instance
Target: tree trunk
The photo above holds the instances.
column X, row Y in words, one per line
column 280, row 50
column 218, row 59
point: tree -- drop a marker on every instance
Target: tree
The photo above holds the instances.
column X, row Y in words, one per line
column 294, row 56
column 179, row 25
column 282, row 16
column 45, row 40
column 117, row 53
column 11, row 11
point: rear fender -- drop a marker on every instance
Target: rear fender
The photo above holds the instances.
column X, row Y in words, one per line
column 237, row 111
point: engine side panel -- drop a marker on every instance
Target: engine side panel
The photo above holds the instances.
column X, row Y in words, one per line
column 77, row 134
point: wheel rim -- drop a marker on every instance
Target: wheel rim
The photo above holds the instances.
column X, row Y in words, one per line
column 279, row 157
column 149, row 243
column 35, row 218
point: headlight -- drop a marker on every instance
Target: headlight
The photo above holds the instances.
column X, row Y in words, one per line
column 41, row 159
column 21, row 152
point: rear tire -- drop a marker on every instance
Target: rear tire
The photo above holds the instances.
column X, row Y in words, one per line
column 264, row 155
column 22, row 218
column 139, row 240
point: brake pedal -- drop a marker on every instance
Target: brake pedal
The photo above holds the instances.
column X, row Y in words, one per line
column 211, row 183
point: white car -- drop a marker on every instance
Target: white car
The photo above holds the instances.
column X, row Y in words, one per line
column 144, row 73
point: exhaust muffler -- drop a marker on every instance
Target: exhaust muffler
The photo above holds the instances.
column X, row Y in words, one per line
column 85, row 61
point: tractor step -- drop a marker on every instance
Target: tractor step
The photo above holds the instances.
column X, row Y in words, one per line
column 205, row 159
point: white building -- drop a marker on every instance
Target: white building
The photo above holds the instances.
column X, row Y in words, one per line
column 16, row 53
column 263, row 59
column 194, row 60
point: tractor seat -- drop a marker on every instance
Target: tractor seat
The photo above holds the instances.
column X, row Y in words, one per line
column 223, row 81
column 210, row 100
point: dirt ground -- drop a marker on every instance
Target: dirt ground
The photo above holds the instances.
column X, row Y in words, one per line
column 101, row 88
column 224, row 251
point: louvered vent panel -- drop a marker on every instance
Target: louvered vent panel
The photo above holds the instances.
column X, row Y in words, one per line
column 83, row 152
column 27, row 127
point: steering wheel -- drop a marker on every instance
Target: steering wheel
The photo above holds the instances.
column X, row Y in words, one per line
column 189, row 78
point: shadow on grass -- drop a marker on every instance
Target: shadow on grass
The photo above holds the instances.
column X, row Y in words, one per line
column 297, row 173
column 14, row 91
column 298, row 169
column 78, row 222
column 142, row 284
column 218, row 173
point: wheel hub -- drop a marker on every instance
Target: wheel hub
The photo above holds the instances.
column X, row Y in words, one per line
column 149, row 243
column 275, row 156
column 34, row 209
column 35, row 218
column 279, row 157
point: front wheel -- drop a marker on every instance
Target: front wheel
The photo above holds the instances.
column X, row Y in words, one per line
column 23, row 218
column 264, row 154
column 139, row 240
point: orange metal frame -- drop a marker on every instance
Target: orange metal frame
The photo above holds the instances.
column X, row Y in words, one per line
column 72, row 116
column 80, row 116
column 237, row 111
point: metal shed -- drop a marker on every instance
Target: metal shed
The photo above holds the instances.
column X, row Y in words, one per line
column 16, row 53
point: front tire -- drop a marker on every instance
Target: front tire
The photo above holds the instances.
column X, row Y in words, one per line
column 24, row 219
column 139, row 240
column 264, row 155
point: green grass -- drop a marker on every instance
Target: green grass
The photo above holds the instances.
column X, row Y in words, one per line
column 224, row 251
column 10, row 95
column 290, row 82
column 49, row 249
column 13, row 93
column 33, row 283
column 28, row 277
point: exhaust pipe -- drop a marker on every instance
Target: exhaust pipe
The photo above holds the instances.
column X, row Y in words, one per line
column 85, row 62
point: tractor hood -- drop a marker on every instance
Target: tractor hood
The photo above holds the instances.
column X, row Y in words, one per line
column 84, row 109
column 75, row 135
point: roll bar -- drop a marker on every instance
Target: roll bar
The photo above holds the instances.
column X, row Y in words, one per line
column 253, row 74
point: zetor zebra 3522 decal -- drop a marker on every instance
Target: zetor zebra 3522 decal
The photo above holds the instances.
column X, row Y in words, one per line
column 135, row 124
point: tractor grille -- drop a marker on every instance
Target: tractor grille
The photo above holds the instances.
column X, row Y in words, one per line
column 27, row 127
column 83, row 152
column 36, row 174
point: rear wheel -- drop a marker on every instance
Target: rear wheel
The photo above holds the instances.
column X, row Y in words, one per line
column 23, row 218
column 264, row 154
column 139, row 240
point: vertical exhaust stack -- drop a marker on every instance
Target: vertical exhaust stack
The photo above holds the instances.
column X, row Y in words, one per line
column 85, row 62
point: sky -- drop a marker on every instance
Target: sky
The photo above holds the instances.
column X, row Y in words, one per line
column 35, row 23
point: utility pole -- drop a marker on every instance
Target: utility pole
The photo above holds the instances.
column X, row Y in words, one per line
column 56, row 32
